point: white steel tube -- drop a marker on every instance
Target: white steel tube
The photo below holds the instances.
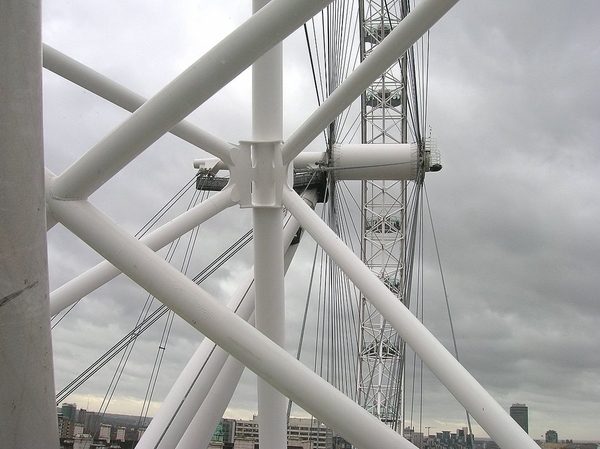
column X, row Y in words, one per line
column 221, row 325
column 95, row 277
column 267, row 125
column 191, row 388
column 213, row 407
column 310, row 159
column 375, row 161
column 205, row 367
column 179, row 98
column 195, row 381
column 474, row 398
column 110, row 90
column 202, row 427
column 27, row 409
column 411, row 28
column 270, row 318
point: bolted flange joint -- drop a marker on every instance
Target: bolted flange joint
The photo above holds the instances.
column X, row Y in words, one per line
column 258, row 174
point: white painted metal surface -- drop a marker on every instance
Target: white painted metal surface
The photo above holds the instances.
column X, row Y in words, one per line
column 493, row 418
column 179, row 98
column 95, row 277
column 267, row 125
column 112, row 91
column 191, row 388
column 375, row 161
column 423, row 17
column 215, row 321
column 385, row 212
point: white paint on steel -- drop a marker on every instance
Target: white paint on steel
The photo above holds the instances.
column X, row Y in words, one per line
column 260, row 33
column 221, row 325
column 190, row 390
column 110, row 90
column 184, row 94
column 267, row 216
column 491, row 416
column 202, row 427
column 71, row 292
column 423, row 17
column 375, row 161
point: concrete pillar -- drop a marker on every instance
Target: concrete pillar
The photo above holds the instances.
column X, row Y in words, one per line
column 27, row 408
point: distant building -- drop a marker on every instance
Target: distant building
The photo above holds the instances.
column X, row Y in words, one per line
column 218, row 433
column 121, row 433
column 105, row 430
column 340, row 443
column 69, row 411
column 82, row 441
column 551, row 436
column 228, row 430
column 302, row 432
column 78, row 429
column 249, row 443
column 520, row 414
column 449, row 440
column 92, row 422
column 65, row 426
column 415, row 438
column 245, row 443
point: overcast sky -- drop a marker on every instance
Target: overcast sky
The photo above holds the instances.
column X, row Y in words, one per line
column 515, row 106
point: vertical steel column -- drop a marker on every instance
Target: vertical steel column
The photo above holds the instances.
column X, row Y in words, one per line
column 267, row 125
column 27, row 409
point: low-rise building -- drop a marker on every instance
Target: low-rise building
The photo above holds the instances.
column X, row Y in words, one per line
column 307, row 433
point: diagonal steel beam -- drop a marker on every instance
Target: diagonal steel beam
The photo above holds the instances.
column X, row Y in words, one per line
column 205, row 367
column 412, row 27
column 95, row 277
column 173, row 103
column 474, row 398
column 225, row 328
column 110, row 90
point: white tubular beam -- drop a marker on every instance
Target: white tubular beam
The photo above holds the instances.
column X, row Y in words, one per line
column 270, row 318
column 420, row 19
column 267, row 359
column 205, row 366
column 203, row 426
column 491, row 416
column 267, row 125
column 195, row 382
column 95, row 277
column 310, row 159
column 375, row 161
column 179, row 98
column 110, row 90
column 27, row 409
column 191, row 388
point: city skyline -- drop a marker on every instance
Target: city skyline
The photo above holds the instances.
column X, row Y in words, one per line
column 121, row 419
